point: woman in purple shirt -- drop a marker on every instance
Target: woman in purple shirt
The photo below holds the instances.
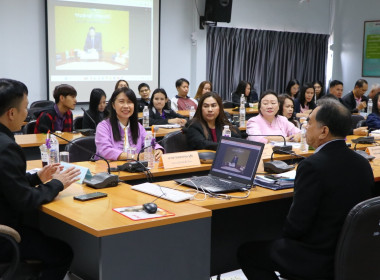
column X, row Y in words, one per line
column 121, row 129
column 269, row 122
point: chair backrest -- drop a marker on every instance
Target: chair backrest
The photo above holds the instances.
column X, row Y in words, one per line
column 228, row 104
column 7, row 270
column 78, row 123
column 76, row 153
column 358, row 250
column 175, row 143
column 41, row 103
column 355, row 119
column 29, row 127
column 361, row 123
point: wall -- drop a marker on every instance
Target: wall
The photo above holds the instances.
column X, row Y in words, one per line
column 348, row 28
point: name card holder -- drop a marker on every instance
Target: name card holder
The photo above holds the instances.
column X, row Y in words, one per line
column 374, row 151
column 182, row 159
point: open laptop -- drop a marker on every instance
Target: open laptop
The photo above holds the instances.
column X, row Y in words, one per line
column 233, row 169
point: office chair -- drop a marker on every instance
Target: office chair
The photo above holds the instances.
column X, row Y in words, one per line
column 77, row 154
column 355, row 119
column 176, row 143
column 361, row 123
column 41, row 103
column 78, row 123
column 7, row 270
column 29, row 127
column 228, row 104
column 358, row 251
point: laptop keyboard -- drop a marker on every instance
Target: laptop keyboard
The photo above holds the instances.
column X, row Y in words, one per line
column 212, row 182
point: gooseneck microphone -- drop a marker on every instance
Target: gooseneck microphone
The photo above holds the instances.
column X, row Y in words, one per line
column 99, row 180
column 88, row 115
column 277, row 149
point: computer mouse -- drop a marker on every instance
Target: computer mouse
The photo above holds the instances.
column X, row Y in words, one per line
column 150, row 208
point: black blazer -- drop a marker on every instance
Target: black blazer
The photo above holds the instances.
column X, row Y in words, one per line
column 327, row 185
column 18, row 195
column 141, row 103
column 350, row 102
column 196, row 139
column 155, row 117
column 251, row 98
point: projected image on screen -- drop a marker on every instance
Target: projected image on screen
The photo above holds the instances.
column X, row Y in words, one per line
column 91, row 39
column 235, row 160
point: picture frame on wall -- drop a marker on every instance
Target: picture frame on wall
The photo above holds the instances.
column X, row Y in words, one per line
column 371, row 49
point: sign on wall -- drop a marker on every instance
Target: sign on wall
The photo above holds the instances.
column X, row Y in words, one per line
column 371, row 49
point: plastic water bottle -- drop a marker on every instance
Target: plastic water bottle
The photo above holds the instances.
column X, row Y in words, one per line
column 44, row 155
column 304, row 147
column 146, row 117
column 191, row 112
column 242, row 111
column 369, row 106
column 53, row 150
column 226, row 131
column 148, row 154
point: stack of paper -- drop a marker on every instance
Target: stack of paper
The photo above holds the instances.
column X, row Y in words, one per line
column 276, row 182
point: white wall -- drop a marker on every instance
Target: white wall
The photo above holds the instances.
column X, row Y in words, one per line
column 348, row 39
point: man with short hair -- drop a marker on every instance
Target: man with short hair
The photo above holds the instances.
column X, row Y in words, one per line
column 327, row 186
column 374, row 90
column 59, row 117
column 355, row 100
column 144, row 91
column 336, row 89
column 22, row 193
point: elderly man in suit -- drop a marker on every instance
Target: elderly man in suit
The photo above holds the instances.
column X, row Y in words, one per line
column 327, row 185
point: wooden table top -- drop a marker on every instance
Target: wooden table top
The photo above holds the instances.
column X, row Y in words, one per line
column 36, row 140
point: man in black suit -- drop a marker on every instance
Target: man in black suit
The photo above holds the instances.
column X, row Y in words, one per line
column 93, row 40
column 22, row 193
column 355, row 100
column 327, row 185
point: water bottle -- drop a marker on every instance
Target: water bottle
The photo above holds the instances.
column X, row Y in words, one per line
column 44, row 155
column 369, row 106
column 146, row 117
column 148, row 153
column 191, row 112
column 242, row 111
column 226, row 131
column 53, row 150
column 304, row 147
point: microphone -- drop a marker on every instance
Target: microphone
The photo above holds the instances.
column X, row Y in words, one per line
column 277, row 149
column 99, row 180
column 88, row 115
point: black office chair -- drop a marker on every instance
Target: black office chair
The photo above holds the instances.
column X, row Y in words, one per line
column 41, row 103
column 76, row 153
column 7, row 270
column 358, row 250
column 228, row 104
column 355, row 119
column 29, row 127
column 176, row 143
column 361, row 123
column 78, row 123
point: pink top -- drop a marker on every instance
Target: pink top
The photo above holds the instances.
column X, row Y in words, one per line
column 280, row 126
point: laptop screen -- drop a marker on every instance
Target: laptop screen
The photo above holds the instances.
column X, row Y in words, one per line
column 237, row 159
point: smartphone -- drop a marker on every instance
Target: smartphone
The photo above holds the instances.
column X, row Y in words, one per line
column 89, row 196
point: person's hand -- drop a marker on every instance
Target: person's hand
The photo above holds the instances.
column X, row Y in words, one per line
column 67, row 177
column 361, row 131
column 362, row 105
column 294, row 138
column 46, row 173
column 157, row 154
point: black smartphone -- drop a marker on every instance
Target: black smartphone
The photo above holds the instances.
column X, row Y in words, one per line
column 89, row 196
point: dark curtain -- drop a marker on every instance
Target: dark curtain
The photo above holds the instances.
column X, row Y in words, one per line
column 266, row 59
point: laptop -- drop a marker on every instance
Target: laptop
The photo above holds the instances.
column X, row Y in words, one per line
column 234, row 167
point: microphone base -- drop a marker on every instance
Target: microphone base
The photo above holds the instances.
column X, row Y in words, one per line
column 134, row 166
column 102, row 180
column 280, row 149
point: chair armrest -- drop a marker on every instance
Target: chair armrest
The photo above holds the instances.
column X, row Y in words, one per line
column 11, row 232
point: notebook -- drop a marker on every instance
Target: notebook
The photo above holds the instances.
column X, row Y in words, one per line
column 234, row 167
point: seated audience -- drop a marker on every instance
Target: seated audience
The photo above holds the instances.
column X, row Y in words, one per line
column 59, row 117
column 355, row 100
column 121, row 129
column 292, row 88
column 336, row 89
column 304, row 104
column 327, row 186
column 373, row 119
column 205, row 129
column 286, row 108
column 22, row 194
column 204, row 87
column 269, row 122
column 144, row 91
column 182, row 101
column 121, row 83
column 374, row 89
column 244, row 88
column 159, row 111
column 96, row 112
column 318, row 89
